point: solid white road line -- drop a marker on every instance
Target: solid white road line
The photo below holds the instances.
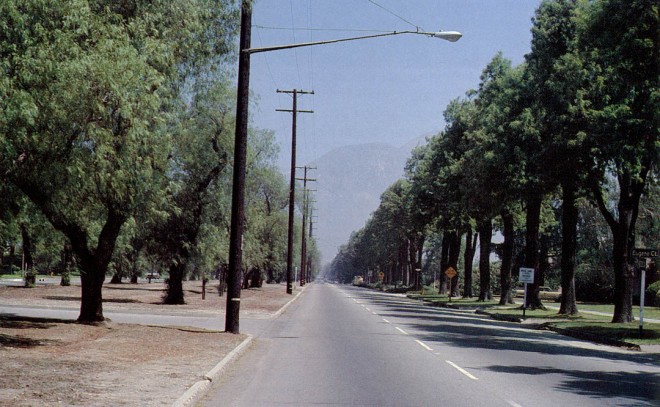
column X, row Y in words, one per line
column 460, row 369
column 386, row 321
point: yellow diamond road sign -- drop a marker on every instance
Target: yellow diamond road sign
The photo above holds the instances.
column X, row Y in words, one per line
column 451, row 273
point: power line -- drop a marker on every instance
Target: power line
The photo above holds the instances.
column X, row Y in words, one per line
column 394, row 14
column 293, row 33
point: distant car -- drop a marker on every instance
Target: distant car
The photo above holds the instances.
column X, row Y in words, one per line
column 545, row 293
column 358, row 280
column 153, row 275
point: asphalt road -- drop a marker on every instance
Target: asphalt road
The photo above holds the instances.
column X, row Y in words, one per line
column 343, row 346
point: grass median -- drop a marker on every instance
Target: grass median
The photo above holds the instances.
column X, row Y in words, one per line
column 587, row 323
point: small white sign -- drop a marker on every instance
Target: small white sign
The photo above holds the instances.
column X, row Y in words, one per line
column 526, row 275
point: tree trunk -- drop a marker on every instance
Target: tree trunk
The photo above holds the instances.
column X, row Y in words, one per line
column 415, row 266
column 136, row 245
column 454, row 254
column 222, row 280
column 28, row 248
column 255, row 278
column 485, row 228
column 12, row 252
column 174, row 294
column 468, row 261
column 569, row 219
column 444, row 262
column 507, row 259
column 91, row 304
column 94, row 265
column 420, row 254
column 623, row 229
column 532, row 222
column 624, row 274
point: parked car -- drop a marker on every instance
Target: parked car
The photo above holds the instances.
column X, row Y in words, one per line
column 545, row 293
column 153, row 275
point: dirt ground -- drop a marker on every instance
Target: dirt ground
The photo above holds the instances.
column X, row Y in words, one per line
column 61, row 363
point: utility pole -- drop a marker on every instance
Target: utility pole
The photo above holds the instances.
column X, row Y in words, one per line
column 238, row 182
column 311, row 234
column 292, row 185
column 303, row 243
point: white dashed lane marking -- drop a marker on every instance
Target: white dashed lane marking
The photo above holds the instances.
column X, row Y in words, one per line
column 460, row 369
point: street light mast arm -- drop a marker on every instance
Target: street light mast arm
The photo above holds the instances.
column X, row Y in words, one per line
column 451, row 36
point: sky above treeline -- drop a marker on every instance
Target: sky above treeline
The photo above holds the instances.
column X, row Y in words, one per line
column 388, row 90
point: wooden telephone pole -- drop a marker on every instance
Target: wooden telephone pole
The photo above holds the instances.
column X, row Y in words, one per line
column 292, row 184
column 303, row 243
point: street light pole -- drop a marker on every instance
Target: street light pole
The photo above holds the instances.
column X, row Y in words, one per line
column 451, row 36
column 240, row 149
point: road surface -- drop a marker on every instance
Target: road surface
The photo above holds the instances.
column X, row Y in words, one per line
column 344, row 346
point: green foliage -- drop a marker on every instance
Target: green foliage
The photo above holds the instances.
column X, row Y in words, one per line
column 66, row 279
column 653, row 294
column 577, row 121
column 90, row 90
column 30, row 278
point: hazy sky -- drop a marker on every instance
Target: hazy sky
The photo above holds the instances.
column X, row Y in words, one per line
column 391, row 89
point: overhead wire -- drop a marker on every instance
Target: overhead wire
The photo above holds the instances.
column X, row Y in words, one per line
column 283, row 124
column 418, row 28
column 311, row 73
column 293, row 34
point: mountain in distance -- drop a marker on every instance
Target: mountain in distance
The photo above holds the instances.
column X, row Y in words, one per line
column 350, row 181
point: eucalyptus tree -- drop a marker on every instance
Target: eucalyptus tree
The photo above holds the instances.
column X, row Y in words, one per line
column 434, row 174
column 342, row 267
column 559, row 83
column 619, row 44
column 382, row 243
column 87, row 89
column 493, row 176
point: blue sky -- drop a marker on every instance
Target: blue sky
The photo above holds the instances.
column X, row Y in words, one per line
column 391, row 89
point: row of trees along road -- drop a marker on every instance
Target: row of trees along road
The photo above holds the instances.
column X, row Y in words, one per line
column 116, row 132
column 531, row 152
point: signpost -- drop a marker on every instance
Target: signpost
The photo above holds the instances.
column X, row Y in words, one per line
column 641, row 256
column 450, row 273
column 525, row 275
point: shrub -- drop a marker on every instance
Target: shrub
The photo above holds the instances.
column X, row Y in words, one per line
column 30, row 278
column 66, row 279
column 653, row 294
column 594, row 284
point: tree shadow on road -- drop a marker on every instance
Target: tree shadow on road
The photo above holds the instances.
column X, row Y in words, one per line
column 640, row 386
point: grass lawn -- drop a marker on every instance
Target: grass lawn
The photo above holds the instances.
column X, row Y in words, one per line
column 585, row 323
column 10, row 276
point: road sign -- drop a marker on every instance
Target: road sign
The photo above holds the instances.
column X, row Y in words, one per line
column 526, row 275
column 636, row 252
column 451, row 273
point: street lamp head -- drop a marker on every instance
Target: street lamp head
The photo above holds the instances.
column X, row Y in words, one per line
column 451, row 36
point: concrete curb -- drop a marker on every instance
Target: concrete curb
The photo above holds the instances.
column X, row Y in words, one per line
column 197, row 390
column 285, row 306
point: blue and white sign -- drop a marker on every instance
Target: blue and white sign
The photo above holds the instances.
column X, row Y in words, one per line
column 526, row 275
